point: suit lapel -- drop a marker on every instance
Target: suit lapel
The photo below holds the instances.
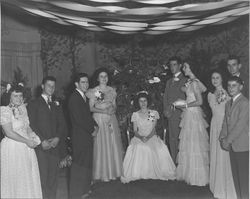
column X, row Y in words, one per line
column 80, row 97
column 44, row 103
column 235, row 103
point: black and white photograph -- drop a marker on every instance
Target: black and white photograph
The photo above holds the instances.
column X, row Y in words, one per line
column 124, row 99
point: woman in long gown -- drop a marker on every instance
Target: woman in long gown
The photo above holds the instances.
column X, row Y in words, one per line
column 147, row 156
column 108, row 152
column 193, row 156
column 20, row 176
column 221, row 180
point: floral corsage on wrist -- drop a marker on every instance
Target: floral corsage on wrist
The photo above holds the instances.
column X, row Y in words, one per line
column 221, row 96
column 151, row 116
column 99, row 95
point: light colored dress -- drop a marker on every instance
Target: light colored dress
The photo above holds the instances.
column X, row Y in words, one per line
column 20, row 176
column 149, row 160
column 221, row 180
column 108, row 152
column 193, row 156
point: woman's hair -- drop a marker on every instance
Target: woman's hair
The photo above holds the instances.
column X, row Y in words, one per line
column 195, row 69
column 94, row 80
column 5, row 99
column 142, row 94
column 223, row 78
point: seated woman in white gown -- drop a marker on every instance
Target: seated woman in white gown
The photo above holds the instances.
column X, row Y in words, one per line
column 20, row 176
column 147, row 157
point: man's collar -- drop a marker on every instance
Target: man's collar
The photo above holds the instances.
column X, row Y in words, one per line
column 81, row 93
column 237, row 75
column 45, row 97
column 177, row 74
column 237, row 96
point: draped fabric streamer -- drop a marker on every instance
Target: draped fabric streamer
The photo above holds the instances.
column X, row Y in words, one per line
column 147, row 16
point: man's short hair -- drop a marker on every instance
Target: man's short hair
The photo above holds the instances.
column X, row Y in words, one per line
column 175, row 58
column 231, row 57
column 48, row 78
column 78, row 76
column 236, row 79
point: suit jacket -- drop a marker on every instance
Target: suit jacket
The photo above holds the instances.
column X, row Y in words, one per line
column 172, row 93
column 48, row 122
column 81, row 119
column 235, row 126
column 245, row 90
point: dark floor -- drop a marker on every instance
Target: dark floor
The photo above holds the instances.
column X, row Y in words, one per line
column 142, row 189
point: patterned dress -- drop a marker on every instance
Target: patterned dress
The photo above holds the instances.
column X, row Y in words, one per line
column 20, row 176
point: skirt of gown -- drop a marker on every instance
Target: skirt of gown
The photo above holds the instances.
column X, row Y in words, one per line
column 221, row 180
column 108, row 152
column 149, row 160
column 20, row 176
column 193, row 156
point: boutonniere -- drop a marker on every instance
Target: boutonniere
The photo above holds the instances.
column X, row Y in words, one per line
column 99, row 95
column 56, row 103
column 221, row 96
column 151, row 116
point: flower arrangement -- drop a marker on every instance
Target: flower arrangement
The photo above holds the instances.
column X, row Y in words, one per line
column 15, row 110
column 151, row 116
column 99, row 95
column 221, row 96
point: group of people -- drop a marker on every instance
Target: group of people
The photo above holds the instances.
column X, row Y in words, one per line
column 221, row 159
column 33, row 148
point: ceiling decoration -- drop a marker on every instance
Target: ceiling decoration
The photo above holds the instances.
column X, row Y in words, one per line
column 151, row 17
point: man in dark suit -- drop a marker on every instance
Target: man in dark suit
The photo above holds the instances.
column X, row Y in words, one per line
column 47, row 120
column 234, row 66
column 83, row 130
column 172, row 93
column 234, row 136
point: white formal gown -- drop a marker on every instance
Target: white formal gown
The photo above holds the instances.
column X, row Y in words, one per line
column 20, row 176
column 193, row 156
column 149, row 160
column 221, row 180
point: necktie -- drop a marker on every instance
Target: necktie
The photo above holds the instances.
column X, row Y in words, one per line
column 49, row 101
column 231, row 102
column 84, row 97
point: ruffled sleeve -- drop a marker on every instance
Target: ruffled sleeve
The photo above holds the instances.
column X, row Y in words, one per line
column 5, row 115
column 198, row 86
column 134, row 117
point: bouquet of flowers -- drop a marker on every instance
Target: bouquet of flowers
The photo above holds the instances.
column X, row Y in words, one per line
column 99, row 95
column 221, row 96
column 151, row 116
